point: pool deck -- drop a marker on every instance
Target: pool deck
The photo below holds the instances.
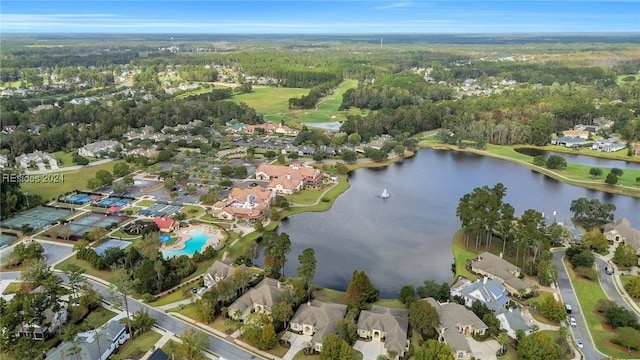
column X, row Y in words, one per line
column 185, row 234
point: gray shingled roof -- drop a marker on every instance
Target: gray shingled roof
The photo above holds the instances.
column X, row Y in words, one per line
column 451, row 315
column 501, row 268
column 267, row 293
column 394, row 322
column 324, row 316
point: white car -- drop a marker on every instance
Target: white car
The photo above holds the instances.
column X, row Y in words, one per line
column 572, row 321
column 579, row 343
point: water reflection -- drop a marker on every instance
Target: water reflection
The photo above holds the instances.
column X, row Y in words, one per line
column 407, row 238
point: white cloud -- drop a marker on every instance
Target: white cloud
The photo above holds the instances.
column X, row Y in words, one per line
column 395, row 5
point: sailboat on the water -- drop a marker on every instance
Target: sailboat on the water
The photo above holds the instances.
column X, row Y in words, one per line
column 385, row 194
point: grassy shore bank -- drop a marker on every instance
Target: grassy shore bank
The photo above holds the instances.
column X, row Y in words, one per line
column 574, row 174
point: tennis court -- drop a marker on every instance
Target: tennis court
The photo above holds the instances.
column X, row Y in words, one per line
column 37, row 218
column 111, row 243
column 113, row 201
column 7, row 239
column 80, row 199
column 84, row 224
column 158, row 210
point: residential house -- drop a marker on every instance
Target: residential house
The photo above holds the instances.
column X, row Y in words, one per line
column 271, row 128
column 260, row 298
column 636, row 150
column 388, row 326
column 492, row 266
column 158, row 354
column 165, row 223
column 247, row 203
column 51, row 323
column 317, row 319
column 495, row 296
column 148, row 153
column 99, row 148
column 41, row 159
column 569, row 141
column 608, row 145
column 289, row 179
column 457, row 325
column 621, row 230
column 220, row 271
column 9, row 129
column 96, row 344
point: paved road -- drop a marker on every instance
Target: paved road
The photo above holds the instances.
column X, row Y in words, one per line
column 569, row 297
column 217, row 345
column 609, row 287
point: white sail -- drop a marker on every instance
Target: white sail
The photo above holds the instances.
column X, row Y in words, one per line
column 385, row 194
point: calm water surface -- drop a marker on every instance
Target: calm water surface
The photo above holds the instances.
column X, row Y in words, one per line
column 407, row 237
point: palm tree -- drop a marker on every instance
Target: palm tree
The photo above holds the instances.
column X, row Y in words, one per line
column 503, row 339
column 124, row 284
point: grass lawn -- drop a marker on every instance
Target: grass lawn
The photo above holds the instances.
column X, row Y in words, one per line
column 390, row 303
column 588, row 294
column 99, row 317
column 182, row 293
column 171, row 348
column 301, row 356
column 132, row 210
column 124, row 235
column 327, row 109
column 332, row 194
column 208, row 218
column 12, row 288
column 329, row 295
column 145, row 203
column 192, row 211
column 66, row 157
column 88, row 269
column 72, row 180
column 625, row 279
column 136, row 348
column 462, row 255
column 270, row 101
column 190, row 311
column 278, row 350
column 532, row 302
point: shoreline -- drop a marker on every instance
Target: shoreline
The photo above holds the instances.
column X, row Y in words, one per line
column 588, row 184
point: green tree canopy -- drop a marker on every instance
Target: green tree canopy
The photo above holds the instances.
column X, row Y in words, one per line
column 360, row 290
column 537, row 346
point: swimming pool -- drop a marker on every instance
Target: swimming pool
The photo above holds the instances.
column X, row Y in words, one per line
column 198, row 239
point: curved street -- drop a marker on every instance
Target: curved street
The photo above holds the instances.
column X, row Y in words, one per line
column 568, row 296
column 610, row 289
column 217, row 345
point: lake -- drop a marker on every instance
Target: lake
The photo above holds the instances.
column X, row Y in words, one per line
column 406, row 238
column 583, row 159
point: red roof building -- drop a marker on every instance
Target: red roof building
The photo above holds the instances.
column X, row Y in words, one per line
column 165, row 224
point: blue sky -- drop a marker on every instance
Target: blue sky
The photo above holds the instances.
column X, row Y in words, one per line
column 320, row 16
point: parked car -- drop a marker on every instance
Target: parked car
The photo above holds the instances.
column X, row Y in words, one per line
column 579, row 343
column 572, row 321
column 568, row 308
column 608, row 270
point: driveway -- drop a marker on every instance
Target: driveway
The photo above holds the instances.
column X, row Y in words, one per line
column 369, row 349
column 298, row 342
column 485, row 350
